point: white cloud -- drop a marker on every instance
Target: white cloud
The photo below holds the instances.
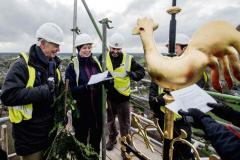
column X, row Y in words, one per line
column 20, row 19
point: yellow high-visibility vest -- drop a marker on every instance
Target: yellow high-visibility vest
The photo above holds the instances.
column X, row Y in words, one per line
column 24, row 112
column 121, row 78
column 76, row 66
column 163, row 108
column 205, row 76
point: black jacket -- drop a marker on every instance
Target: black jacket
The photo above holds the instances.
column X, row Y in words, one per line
column 31, row 135
column 224, row 141
column 89, row 99
column 228, row 114
column 155, row 101
column 138, row 73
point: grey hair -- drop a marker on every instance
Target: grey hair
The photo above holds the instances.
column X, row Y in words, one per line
column 39, row 40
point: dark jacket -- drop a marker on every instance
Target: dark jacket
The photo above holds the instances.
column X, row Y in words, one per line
column 224, row 141
column 228, row 114
column 3, row 155
column 31, row 135
column 137, row 72
column 155, row 101
column 89, row 99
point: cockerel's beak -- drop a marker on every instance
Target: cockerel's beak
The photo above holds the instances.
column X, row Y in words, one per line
column 155, row 26
column 136, row 31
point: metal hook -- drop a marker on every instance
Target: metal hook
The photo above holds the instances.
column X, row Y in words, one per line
column 76, row 30
column 107, row 21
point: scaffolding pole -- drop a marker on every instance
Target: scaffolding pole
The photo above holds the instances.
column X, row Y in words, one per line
column 105, row 25
column 75, row 29
column 172, row 31
column 92, row 19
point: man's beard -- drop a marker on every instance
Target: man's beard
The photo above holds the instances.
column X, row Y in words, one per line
column 115, row 54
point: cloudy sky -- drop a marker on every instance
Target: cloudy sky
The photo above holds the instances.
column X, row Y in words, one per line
column 21, row 18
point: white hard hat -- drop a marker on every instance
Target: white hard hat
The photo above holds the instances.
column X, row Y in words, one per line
column 181, row 39
column 83, row 39
column 116, row 41
column 50, row 32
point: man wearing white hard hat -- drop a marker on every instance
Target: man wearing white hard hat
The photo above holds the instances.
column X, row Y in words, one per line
column 29, row 90
column 88, row 125
column 124, row 69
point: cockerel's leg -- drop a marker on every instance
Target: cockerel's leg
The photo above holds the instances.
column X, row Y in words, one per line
column 236, row 41
column 225, row 67
column 215, row 75
column 234, row 62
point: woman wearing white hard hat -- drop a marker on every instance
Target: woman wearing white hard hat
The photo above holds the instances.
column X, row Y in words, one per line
column 89, row 98
column 181, row 43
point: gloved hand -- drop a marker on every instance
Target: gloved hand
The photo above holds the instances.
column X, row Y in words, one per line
column 196, row 114
column 131, row 74
column 108, row 84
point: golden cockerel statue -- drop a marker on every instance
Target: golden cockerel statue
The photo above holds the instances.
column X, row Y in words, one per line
column 215, row 45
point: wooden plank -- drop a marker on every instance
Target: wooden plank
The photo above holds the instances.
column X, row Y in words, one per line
column 4, row 137
column 115, row 154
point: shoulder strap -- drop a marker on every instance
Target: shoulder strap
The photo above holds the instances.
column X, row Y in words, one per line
column 58, row 74
column 76, row 68
column 128, row 62
column 98, row 63
column 31, row 71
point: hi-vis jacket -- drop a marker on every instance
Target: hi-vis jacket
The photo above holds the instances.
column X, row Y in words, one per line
column 24, row 112
column 163, row 108
column 31, row 135
column 121, row 78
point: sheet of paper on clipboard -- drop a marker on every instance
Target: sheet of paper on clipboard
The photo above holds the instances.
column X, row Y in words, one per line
column 97, row 78
column 190, row 97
